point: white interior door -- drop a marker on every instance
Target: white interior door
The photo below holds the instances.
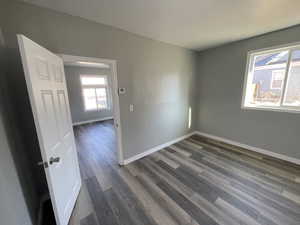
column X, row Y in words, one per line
column 45, row 78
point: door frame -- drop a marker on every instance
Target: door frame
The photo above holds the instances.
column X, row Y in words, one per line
column 115, row 95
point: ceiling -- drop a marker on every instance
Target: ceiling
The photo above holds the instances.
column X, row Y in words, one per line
column 194, row 24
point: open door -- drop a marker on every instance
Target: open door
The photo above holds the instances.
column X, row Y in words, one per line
column 45, row 79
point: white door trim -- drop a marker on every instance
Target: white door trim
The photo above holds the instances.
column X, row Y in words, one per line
column 115, row 95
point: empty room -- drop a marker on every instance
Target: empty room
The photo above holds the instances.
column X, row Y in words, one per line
column 136, row 112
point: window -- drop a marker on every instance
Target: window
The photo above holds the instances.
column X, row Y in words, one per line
column 95, row 92
column 273, row 79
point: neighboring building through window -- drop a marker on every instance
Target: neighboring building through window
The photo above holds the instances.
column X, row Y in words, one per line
column 95, row 92
column 273, row 79
column 277, row 79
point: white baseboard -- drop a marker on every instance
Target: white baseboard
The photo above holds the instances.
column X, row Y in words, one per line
column 92, row 121
column 155, row 149
column 251, row 148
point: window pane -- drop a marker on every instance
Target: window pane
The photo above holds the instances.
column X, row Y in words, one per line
column 89, row 96
column 265, row 79
column 101, row 98
column 93, row 80
column 292, row 95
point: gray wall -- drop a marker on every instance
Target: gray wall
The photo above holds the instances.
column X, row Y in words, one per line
column 75, row 94
column 158, row 77
column 13, row 207
column 220, row 79
column 19, row 198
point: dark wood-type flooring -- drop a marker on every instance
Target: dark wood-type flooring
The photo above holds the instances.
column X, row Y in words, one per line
column 197, row 181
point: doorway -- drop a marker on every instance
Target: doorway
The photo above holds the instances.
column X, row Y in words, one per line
column 97, row 100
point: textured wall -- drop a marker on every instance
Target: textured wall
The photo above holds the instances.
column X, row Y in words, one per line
column 75, row 94
column 220, row 85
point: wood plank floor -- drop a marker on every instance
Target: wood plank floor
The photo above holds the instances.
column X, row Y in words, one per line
column 196, row 181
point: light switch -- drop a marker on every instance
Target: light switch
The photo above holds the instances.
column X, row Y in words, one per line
column 131, row 108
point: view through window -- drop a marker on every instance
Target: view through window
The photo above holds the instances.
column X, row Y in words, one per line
column 95, row 92
column 273, row 79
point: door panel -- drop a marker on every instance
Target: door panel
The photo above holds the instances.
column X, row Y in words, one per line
column 45, row 79
column 42, row 68
column 49, row 117
column 63, row 112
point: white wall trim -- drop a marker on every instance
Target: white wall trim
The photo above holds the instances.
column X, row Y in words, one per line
column 156, row 148
column 92, row 121
column 251, row 148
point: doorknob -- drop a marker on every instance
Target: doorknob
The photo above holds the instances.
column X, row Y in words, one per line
column 54, row 160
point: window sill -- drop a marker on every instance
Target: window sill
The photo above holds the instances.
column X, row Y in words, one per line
column 274, row 109
column 96, row 110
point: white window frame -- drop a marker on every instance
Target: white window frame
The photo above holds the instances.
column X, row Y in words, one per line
column 106, row 86
column 248, row 75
